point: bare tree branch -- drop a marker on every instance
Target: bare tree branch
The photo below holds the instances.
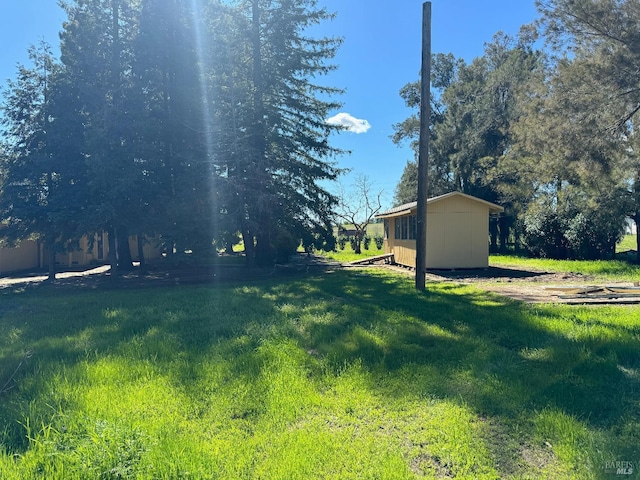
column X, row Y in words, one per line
column 358, row 207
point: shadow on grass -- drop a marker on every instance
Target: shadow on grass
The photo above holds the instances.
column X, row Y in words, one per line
column 489, row 273
column 495, row 354
column 500, row 357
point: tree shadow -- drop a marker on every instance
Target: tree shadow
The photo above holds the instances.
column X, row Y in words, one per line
column 500, row 357
column 486, row 273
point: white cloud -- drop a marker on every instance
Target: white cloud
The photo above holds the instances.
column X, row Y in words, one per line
column 349, row 123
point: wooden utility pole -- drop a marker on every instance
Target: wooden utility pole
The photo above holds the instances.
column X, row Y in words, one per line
column 423, row 153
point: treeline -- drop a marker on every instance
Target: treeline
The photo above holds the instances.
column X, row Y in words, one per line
column 189, row 121
column 544, row 124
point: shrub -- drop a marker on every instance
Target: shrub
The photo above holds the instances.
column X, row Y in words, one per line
column 318, row 240
column 354, row 242
column 591, row 237
column 581, row 231
column 285, row 244
column 342, row 241
column 543, row 233
column 379, row 241
column 329, row 244
column 366, row 241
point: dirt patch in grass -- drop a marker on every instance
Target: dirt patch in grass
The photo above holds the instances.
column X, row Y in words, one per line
column 425, row 464
column 528, row 286
column 541, row 287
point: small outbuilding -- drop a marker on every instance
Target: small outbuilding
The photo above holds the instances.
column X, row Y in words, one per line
column 457, row 231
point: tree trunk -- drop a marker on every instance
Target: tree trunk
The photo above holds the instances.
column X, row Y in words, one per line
column 229, row 249
column 636, row 219
column 113, row 252
column 125, row 262
column 249, row 248
column 141, row 258
column 264, row 251
column 52, row 262
column 358, row 244
column 493, row 234
column 503, row 225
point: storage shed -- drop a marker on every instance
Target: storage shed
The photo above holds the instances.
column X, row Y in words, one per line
column 457, row 231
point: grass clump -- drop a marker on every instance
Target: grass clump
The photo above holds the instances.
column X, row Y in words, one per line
column 343, row 375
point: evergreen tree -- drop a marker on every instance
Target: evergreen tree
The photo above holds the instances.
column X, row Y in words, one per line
column 444, row 71
column 96, row 47
column 188, row 120
column 173, row 120
column 42, row 175
column 476, row 107
column 285, row 148
column 598, row 47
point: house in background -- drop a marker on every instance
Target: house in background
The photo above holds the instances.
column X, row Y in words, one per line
column 31, row 254
column 25, row 256
column 457, row 232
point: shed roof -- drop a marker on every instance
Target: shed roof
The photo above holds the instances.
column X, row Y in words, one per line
column 408, row 208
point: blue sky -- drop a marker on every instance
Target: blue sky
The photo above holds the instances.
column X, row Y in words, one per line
column 381, row 53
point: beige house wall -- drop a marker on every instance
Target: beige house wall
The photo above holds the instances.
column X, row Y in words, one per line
column 151, row 249
column 29, row 254
column 22, row 257
column 457, row 235
column 85, row 255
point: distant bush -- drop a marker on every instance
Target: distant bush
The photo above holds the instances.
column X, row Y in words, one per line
column 589, row 234
column 592, row 236
column 319, row 242
column 329, row 244
column 544, row 230
column 354, row 242
column 342, row 241
column 379, row 241
column 285, row 244
column 366, row 242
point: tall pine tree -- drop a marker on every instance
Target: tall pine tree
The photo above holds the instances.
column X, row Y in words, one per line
column 285, row 149
column 97, row 54
column 42, row 173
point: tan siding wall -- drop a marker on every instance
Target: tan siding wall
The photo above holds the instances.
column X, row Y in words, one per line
column 27, row 255
column 87, row 256
column 457, row 236
column 150, row 249
column 404, row 252
column 84, row 255
column 22, row 257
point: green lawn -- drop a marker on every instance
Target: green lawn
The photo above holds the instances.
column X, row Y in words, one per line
column 346, row 375
column 373, row 229
column 613, row 270
column 628, row 242
column 348, row 255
